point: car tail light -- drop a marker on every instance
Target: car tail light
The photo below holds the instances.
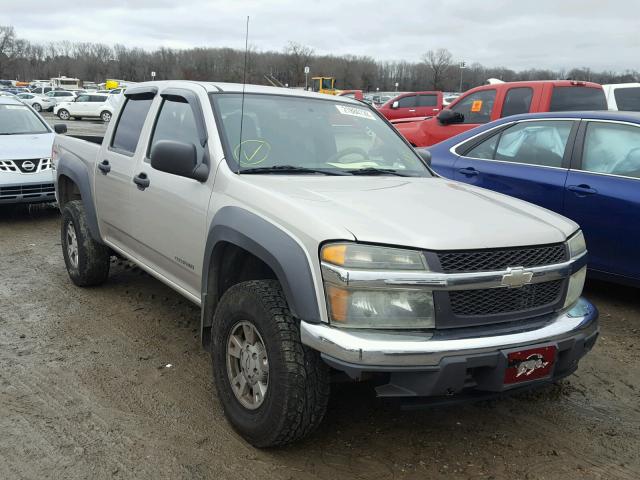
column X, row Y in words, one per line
column 578, row 83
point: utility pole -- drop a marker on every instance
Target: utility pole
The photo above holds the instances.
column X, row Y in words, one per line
column 462, row 65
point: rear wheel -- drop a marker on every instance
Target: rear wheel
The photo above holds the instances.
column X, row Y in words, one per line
column 87, row 261
column 63, row 114
column 37, row 107
column 273, row 389
column 105, row 116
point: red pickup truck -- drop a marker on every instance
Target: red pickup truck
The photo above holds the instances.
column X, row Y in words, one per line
column 490, row 102
column 411, row 105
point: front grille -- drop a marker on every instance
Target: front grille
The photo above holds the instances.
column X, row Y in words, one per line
column 488, row 260
column 27, row 191
column 494, row 301
column 33, row 165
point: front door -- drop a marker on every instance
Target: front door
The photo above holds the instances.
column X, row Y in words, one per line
column 528, row 160
column 114, row 173
column 170, row 213
column 602, row 195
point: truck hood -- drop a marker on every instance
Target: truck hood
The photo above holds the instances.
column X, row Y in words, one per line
column 18, row 147
column 428, row 213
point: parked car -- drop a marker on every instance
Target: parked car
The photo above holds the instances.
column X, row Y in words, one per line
column 86, row 106
column 301, row 239
column 41, row 90
column 623, row 96
column 38, row 102
column 584, row 165
column 411, row 105
column 59, row 96
column 25, row 155
column 4, row 93
column 490, row 102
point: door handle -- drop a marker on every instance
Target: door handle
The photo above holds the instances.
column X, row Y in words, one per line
column 104, row 167
column 582, row 190
column 141, row 180
column 469, row 171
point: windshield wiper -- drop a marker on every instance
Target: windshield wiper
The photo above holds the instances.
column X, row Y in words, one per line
column 376, row 171
column 290, row 169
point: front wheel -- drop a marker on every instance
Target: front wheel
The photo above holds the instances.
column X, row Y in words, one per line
column 273, row 389
column 87, row 261
column 63, row 114
column 105, row 116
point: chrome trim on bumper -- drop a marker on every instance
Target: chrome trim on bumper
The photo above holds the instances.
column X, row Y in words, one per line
column 443, row 281
column 384, row 348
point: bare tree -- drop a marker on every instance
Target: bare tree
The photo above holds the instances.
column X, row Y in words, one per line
column 298, row 57
column 439, row 63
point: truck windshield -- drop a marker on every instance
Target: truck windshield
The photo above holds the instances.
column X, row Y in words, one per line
column 311, row 134
column 564, row 99
column 20, row 120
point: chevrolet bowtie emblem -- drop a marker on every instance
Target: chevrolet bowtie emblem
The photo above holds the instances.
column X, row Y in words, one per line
column 516, row 277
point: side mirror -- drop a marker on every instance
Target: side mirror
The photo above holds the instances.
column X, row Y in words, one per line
column 425, row 155
column 178, row 158
column 60, row 128
column 395, row 104
column 447, row 117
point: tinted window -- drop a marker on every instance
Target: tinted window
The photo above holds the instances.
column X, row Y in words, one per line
column 612, row 148
column 565, row 99
column 407, row 102
column 98, row 98
column 82, row 98
column 485, row 150
column 476, row 107
column 517, row 100
column 130, row 123
column 427, row 100
column 176, row 121
column 535, row 143
column 628, row 98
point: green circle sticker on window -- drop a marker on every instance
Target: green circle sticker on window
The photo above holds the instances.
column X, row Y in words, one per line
column 252, row 152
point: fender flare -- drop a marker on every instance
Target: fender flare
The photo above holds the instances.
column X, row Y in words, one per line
column 73, row 168
column 284, row 255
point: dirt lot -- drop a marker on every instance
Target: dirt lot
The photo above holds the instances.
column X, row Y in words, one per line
column 86, row 391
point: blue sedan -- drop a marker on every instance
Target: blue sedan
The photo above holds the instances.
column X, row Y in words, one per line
column 583, row 165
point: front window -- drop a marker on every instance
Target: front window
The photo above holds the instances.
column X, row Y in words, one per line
column 323, row 136
column 20, row 120
column 568, row 99
column 476, row 107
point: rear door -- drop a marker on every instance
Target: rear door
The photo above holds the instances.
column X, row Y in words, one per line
column 169, row 225
column 114, row 170
column 603, row 195
column 427, row 105
column 518, row 100
column 527, row 160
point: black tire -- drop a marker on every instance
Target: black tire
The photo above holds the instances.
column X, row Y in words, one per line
column 105, row 116
column 91, row 264
column 37, row 107
column 63, row 114
column 298, row 380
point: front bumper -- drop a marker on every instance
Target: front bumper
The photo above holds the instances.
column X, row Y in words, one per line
column 443, row 363
column 27, row 188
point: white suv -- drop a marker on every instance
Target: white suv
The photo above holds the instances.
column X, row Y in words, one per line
column 86, row 105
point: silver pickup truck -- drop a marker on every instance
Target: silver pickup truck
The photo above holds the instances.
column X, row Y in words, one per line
column 319, row 244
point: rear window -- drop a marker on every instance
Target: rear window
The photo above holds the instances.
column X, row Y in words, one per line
column 134, row 113
column 566, row 99
column 628, row 98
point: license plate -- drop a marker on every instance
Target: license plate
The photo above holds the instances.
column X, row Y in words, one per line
column 530, row 364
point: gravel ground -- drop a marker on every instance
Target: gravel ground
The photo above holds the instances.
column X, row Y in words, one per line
column 86, row 391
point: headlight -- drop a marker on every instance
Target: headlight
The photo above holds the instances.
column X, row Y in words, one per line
column 365, row 304
column 353, row 255
column 577, row 245
column 576, row 284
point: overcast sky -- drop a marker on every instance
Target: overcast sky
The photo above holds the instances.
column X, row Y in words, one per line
column 518, row 34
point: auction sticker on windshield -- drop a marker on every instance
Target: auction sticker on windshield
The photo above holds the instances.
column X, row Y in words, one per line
column 355, row 112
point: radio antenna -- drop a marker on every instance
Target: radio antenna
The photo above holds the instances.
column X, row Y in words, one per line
column 244, row 84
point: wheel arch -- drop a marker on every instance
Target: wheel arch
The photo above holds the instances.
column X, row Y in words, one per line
column 239, row 236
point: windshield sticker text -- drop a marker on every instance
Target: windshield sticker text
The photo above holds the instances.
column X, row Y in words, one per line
column 355, row 112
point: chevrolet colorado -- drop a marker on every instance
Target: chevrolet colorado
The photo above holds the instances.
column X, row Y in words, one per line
column 318, row 244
